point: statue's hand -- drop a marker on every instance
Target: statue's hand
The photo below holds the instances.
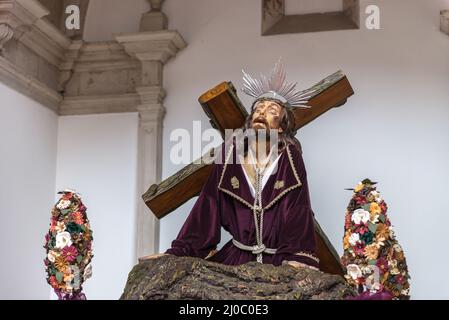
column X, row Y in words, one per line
column 298, row 265
column 152, row 257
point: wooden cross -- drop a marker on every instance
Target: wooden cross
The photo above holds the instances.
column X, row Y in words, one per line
column 225, row 111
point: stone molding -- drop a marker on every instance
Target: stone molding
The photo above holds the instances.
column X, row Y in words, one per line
column 275, row 21
column 74, row 77
column 444, row 21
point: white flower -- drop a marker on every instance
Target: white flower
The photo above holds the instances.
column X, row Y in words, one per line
column 63, row 204
column 375, row 194
column 87, row 272
column 52, row 255
column 63, row 239
column 353, row 239
column 379, row 200
column 354, row 271
column 360, row 215
column 406, row 292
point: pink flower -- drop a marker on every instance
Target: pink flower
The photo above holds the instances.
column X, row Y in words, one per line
column 400, row 279
column 362, row 229
column 359, row 249
column 382, row 264
column 69, row 253
column 360, row 200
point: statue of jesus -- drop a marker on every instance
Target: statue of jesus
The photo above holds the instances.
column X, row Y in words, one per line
column 260, row 196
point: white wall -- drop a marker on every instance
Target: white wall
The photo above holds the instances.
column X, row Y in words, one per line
column 393, row 130
column 97, row 156
column 107, row 17
column 27, row 176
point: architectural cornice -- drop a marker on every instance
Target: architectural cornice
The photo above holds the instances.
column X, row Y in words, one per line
column 95, row 104
column 29, row 86
column 152, row 45
column 444, row 25
column 74, row 77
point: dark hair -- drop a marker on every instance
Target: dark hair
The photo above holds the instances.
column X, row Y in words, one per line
column 287, row 123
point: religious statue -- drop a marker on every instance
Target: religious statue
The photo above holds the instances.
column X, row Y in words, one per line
column 260, row 196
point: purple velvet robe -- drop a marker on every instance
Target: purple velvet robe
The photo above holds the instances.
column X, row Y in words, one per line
column 226, row 201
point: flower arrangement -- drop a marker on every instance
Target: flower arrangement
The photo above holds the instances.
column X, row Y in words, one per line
column 68, row 245
column 374, row 260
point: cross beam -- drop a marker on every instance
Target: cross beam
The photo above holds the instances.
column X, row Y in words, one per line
column 225, row 111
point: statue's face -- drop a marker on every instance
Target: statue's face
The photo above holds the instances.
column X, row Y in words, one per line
column 267, row 115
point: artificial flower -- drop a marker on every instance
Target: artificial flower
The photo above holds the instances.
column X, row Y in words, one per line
column 52, row 255
column 383, row 231
column 367, row 237
column 360, row 216
column 392, row 263
column 87, row 272
column 68, row 245
column 60, row 226
column 400, row 279
column 392, row 234
column 70, row 253
column 371, row 252
column 375, row 208
column 375, row 194
column 360, row 200
column 394, row 271
column 354, row 239
column 369, row 244
column 53, row 225
column 347, row 220
column 354, row 271
column 380, row 242
column 405, row 292
column 60, row 263
column 382, row 264
column 63, row 204
column 77, row 217
column 63, row 239
column 359, row 249
column 67, row 196
column 361, row 229
column 374, row 218
column 359, row 187
column 68, row 275
column 372, row 283
column 53, row 282
column 346, row 243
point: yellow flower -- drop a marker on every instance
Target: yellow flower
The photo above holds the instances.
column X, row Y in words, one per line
column 60, row 263
column 371, row 252
column 375, row 208
column 383, row 231
column 358, row 187
column 346, row 244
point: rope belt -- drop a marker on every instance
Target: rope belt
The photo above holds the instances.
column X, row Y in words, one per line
column 254, row 249
column 258, row 213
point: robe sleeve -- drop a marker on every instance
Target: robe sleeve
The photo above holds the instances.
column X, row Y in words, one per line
column 201, row 231
column 297, row 234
